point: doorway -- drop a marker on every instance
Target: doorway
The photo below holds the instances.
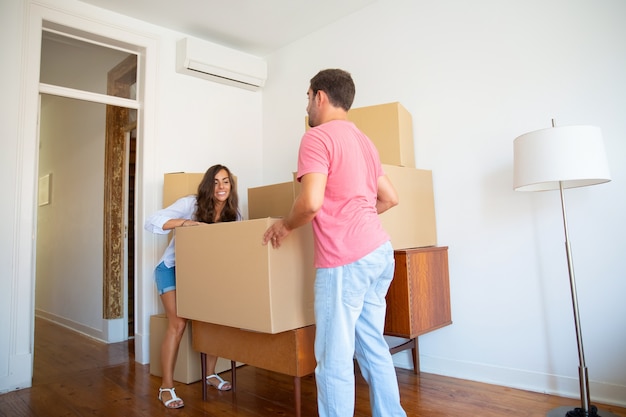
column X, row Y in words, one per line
column 91, row 88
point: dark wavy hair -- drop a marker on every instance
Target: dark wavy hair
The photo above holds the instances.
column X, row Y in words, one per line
column 205, row 205
column 338, row 86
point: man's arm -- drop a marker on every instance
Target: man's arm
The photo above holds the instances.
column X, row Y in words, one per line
column 308, row 202
column 387, row 196
column 306, row 206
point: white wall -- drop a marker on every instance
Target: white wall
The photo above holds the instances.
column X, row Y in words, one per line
column 68, row 287
column 475, row 75
column 190, row 124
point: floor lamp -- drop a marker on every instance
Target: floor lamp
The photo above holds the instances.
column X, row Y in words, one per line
column 554, row 159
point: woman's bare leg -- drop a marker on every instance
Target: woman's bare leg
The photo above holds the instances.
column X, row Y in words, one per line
column 211, row 361
column 171, row 341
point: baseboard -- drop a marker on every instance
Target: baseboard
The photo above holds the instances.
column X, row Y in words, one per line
column 562, row 386
column 94, row 333
column 19, row 375
column 142, row 348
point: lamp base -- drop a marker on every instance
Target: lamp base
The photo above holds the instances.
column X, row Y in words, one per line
column 578, row 412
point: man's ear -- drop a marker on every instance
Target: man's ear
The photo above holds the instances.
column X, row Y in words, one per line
column 321, row 97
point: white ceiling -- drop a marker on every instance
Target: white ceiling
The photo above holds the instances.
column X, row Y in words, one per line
column 255, row 26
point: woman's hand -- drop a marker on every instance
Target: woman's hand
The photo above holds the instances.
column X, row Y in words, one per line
column 174, row 223
column 187, row 223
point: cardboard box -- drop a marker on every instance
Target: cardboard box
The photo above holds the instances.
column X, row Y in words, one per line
column 411, row 224
column 270, row 200
column 188, row 367
column 390, row 127
column 224, row 275
column 180, row 184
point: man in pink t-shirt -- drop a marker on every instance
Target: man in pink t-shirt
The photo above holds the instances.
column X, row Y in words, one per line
column 343, row 190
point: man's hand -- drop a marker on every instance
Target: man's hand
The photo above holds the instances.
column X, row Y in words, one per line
column 276, row 233
column 304, row 209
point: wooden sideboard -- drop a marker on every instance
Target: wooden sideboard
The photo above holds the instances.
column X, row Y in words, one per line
column 418, row 300
column 289, row 352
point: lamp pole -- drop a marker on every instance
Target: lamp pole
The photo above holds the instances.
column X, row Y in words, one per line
column 586, row 409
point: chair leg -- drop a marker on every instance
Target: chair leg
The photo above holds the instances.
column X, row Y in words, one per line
column 203, row 365
column 297, row 392
column 233, row 373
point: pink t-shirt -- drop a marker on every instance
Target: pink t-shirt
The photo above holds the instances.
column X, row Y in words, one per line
column 347, row 226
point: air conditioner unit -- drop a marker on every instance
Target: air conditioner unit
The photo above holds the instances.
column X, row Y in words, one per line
column 220, row 64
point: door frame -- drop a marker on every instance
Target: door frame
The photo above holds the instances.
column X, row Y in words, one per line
column 88, row 22
column 120, row 80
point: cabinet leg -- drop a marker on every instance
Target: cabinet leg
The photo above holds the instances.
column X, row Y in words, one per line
column 413, row 345
column 416, row 357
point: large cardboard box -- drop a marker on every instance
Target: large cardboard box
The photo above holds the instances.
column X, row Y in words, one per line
column 224, row 275
column 410, row 224
column 188, row 368
column 390, row 128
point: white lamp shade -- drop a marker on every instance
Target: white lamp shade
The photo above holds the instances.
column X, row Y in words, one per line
column 572, row 155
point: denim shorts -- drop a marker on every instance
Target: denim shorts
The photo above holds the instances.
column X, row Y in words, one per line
column 165, row 278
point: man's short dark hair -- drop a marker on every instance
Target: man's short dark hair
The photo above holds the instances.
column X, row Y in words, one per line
column 338, row 86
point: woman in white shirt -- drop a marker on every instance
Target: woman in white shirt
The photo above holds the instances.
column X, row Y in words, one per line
column 216, row 201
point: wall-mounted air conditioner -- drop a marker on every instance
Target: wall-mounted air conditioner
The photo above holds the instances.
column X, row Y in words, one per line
column 220, row 64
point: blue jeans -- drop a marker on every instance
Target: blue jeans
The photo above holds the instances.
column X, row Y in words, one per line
column 350, row 318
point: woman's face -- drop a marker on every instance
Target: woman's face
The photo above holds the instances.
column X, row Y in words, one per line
column 222, row 186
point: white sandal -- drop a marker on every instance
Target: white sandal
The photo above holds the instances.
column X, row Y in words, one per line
column 221, row 384
column 171, row 400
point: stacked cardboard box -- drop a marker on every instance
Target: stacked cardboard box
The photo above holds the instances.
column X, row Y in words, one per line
column 187, row 369
column 411, row 223
column 226, row 277
column 180, row 184
column 390, row 127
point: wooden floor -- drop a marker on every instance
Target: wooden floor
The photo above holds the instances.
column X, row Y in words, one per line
column 77, row 376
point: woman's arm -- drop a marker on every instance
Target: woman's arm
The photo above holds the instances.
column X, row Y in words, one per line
column 164, row 220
